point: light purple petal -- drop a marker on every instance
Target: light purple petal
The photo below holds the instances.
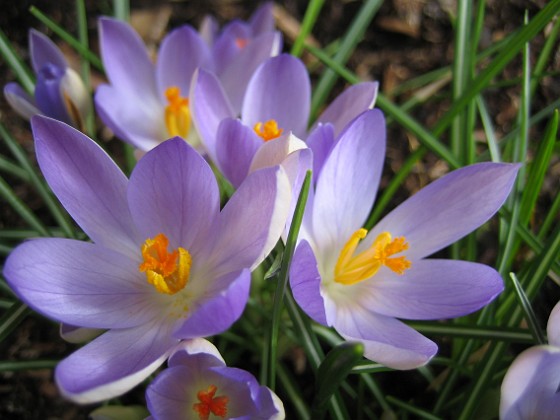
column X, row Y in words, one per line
column 173, row 191
column 553, row 326
column 449, row 208
column 140, row 123
column 431, row 289
column 305, row 282
column 81, row 283
column 185, row 349
column 346, row 189
column 321, row 141
column 236, row 144
column 20, row 100
column 252, row 221
column 209, row 106
column 43, row 51
column 236, row 75
column 87, row 182
column 224, row 305
column 180, row 53
column 348, row 105
column 208, row 29
column 126, row 60
column 113, row 363
column 229, row 43
column 386, row 340
column 172, row 393
column 262, row 19
column 530, row 387
column 279, row 90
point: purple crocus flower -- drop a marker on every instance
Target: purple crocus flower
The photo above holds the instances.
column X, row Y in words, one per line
column 360, row 282
column 144, row 103
column 276, row 102
column 165, row 264
column 59, row 91
column 198, row 385
column 530, row 389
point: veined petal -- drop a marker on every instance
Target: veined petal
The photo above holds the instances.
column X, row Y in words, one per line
column 431, row 289
column 530, row 387
column 43, row 51
column 81, row 283
column 87, row 182
column 348, row 105
column 346, row 189
column 20, row 100
column 252, row 221
column 386, row 340
column 553, row 326
column 209, row 106
column 321, row 140
column 305, row 282
column 279, row 90
column 186, row 348
column 140, row 123
column 180, row 53
column 173, row 191
column 73, row 334
column 126, row 60
column 236, row 145
column 48, row 94
column 236, row 75
column 114, row 363
column 448, row 209
column 227, row 297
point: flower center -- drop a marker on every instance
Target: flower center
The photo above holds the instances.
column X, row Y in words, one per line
column 167, row 271
column 268, row 130
column 210, row 404
column 351, row 269
column 177, row 113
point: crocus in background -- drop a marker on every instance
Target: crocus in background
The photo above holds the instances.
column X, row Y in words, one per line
column 145, row 104
column 360, row 282
column 59, row 92
column 276, row 103
column 165, row 264
column 530, row 389
column 198, row 385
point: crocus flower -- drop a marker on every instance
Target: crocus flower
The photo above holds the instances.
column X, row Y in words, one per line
column 145, row 104
column 59, row 91
column 530, row 389
column 198, row 385
column 165, row 264
column 360, row 282
column 276, row 102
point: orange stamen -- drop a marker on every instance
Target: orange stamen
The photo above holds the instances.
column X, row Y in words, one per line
column 268, row 131
column 210, row 404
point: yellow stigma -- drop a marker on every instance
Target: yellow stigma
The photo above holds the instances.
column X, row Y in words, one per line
column 177, row 113
column 351, row 269
column 268, row 131
column 167, row 271
column 209, row 404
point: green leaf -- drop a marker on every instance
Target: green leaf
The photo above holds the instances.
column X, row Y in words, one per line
column 331, row 373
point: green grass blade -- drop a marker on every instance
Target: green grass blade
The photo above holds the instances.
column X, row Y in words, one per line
column 22, row 72
column 12, row 318
column 353, row 36
column 529, row 313
column 515, row 45
column 11, row 168
column 9, row 366
column 57, row 29
column 121, row 9
column 60, row 215
column 84, row 65
column 311, row 14
column 283, row 281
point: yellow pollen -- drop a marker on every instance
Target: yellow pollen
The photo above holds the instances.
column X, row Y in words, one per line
column 352, row 269
column 167, row 271
column 177, row 113
column 210, row 404
column 268, row 131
